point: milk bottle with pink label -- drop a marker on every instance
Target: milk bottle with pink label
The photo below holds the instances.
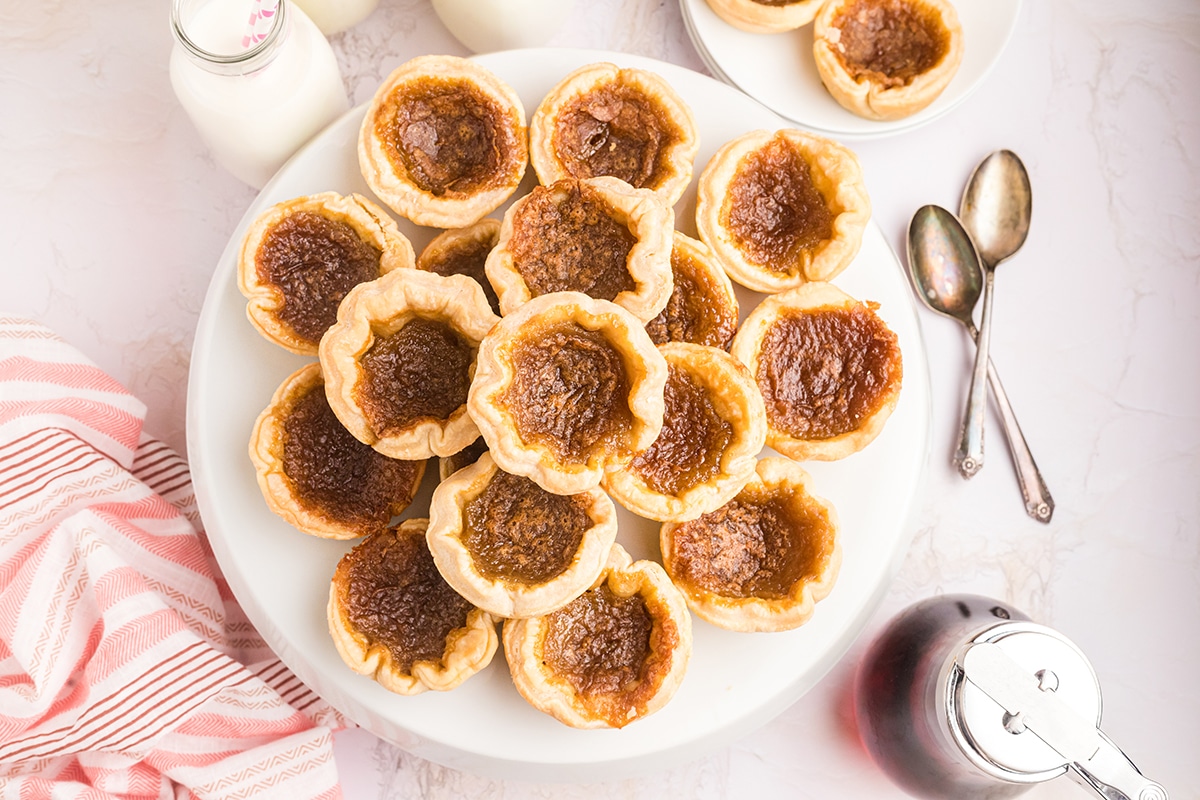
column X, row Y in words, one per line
column 253, row 102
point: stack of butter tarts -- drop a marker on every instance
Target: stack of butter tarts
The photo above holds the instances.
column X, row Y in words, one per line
column 576, row 351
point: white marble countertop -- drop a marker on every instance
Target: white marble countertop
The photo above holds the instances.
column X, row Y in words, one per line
column 114, row 216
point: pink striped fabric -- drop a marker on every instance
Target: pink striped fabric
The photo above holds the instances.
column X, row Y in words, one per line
column 127, row 669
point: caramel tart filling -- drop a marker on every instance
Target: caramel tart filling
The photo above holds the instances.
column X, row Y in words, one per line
column 774, row 210
column 699, row 310
column 565, row 239
column 822, row 372
column 394, row 595
column 615, row 130
column 516, row 530
column 314, row 261
column 570, row 391
column 337, row 475
column 419, row 372
column 464, row 252
column 890, row 42
column 760, row 544
column 600, row 642
column 693, row 439
column 447, row 135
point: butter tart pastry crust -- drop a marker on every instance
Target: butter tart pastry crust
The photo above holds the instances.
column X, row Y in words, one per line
column 865, row 95
column 469, row 648
column 674, row 162
column 495, row 373
column 267, row 443
column 510, row 597
column 778, row 478
column 835, row 174
column 383, row 307
column 393, row 184
column 264, row 300
column 670, row 649
column 753, row 17
column 648, row 263
column 731, row 389
column 747, row 347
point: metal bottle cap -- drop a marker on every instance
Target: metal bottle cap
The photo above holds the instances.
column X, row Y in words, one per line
column 1024, row 704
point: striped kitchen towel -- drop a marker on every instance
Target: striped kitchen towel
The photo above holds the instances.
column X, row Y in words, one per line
column 127, row 669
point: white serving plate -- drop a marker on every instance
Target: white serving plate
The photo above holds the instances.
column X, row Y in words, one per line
column 778, row 69
column 735, row 682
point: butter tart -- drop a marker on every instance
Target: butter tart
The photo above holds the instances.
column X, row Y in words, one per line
column 302, row 256
column 599, row 236
column 464, row 251
column 763, row 560
column 766, row 16
column 514, row 549
column 828, row 368
column 887, row 59
column 615, row 654
column 626, row 123
column 443, row 141
column 317, row 476
column 399, row 362
column 703, row 308
column 393, row 617
column 567, row 387
column 781, row 208
column 714, row 426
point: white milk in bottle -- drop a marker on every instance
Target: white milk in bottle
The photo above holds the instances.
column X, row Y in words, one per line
column 254, row 106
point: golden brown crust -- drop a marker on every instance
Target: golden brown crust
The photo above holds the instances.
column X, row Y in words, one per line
column 756, row 17
column 639, row 210
column 776, row 480
column 381, row 308
column 670, row 646
column 673, row 162
column 494, row 374
column 747, row 347
column 267, row 444
column 873, row 95
column 468, row 649
column 836, row 176
column 450, row 207
column 265, row 300
column 731, row 390
column 508, row 597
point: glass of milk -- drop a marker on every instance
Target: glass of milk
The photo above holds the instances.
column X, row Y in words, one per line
column 484, row 26
column 254, row 106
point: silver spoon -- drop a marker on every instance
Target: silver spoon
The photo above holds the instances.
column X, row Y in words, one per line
column 996, row 207
column 946, row 272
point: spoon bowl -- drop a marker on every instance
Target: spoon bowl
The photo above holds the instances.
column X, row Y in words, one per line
column 997, row 206
column 944, row 265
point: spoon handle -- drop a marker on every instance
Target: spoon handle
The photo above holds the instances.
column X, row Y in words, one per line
column 1038, row 502
column 969, row 456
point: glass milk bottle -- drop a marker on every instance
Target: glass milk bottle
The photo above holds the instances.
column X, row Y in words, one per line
column 334, row 16
column 253, row 105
